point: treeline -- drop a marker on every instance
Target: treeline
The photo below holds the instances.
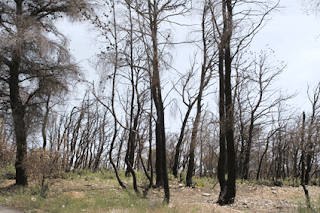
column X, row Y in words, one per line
column 234, row 122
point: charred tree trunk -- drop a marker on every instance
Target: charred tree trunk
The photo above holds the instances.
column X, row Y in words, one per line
column 231, row 182
column 264, row 153
column 178, row 147
column 246, row 162
column 161, row 158
column 112, row 98
column 150, row 166
column 199, row 99
column 227, row 196
column 45, row 121
column 303, row 169
column 222, row 137
column 18, row 109
column 129, row 159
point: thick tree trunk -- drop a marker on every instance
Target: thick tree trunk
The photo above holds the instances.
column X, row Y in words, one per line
column 159, row 174
column 231, row 182
column 18, row 109
column 222, row 137
column 18, row 113
column 161, row 164
column 227, row 197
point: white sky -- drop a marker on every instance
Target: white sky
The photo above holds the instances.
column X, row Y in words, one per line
column 291, row 33
column 295, row 38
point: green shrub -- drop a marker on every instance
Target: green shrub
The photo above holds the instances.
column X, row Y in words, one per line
column 263, row 182
column 170, row 176
column 9, row 172
column 68, row 175
column 314, row 182
column 200, row 182
column 183, row 176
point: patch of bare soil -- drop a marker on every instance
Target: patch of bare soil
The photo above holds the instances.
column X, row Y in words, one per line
column 248, row 199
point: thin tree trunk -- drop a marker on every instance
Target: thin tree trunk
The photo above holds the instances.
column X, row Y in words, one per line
column 264, row 153
column 303, row 183
column 112, row 98
column 199, row 99
column 178, row 147
column 45, row 121
column 150, row 144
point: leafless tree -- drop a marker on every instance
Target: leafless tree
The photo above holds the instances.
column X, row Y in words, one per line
column 231, row 41
column 206, row 74
column 32, row 61
column 260, row 98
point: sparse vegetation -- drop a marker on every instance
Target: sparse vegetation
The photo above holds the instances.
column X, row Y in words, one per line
column 84, row 190
column 303, row 208
column 72, row 145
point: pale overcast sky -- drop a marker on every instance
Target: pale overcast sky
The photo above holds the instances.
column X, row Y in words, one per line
column 295, row 38
column 291, row 33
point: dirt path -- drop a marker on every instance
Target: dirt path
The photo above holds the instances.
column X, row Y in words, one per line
column 7, row 209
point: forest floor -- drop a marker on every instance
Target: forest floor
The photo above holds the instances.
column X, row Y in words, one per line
column 104, row 195
column 249, row 198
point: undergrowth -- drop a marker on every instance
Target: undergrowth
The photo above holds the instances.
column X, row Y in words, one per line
column 95, row 197
column 315, row 207
column 101, row 192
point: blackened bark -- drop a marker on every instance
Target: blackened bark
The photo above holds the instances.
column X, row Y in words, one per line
column 161, row 165
column 112, row 97
column 245, row 174
column 264, row 153
column 178, row 146
column 199, row 99
column 45, row 121
column 303, row 183
column 227, row 197
column 242, row 140
column 102, row 141
column 18, row 110
column 222, row 137
column 150, row 166
column 308, row 167
column 159, row 174
column 231, row 182
column 133, row 118
column 192, row 147
column 245, row 171
column 110, row 157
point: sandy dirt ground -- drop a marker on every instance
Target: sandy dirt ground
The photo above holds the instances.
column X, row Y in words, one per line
column 248, row 199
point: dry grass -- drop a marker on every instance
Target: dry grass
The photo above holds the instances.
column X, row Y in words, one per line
column 93, row 194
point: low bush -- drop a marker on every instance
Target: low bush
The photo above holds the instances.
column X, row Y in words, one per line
column 8, row 172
